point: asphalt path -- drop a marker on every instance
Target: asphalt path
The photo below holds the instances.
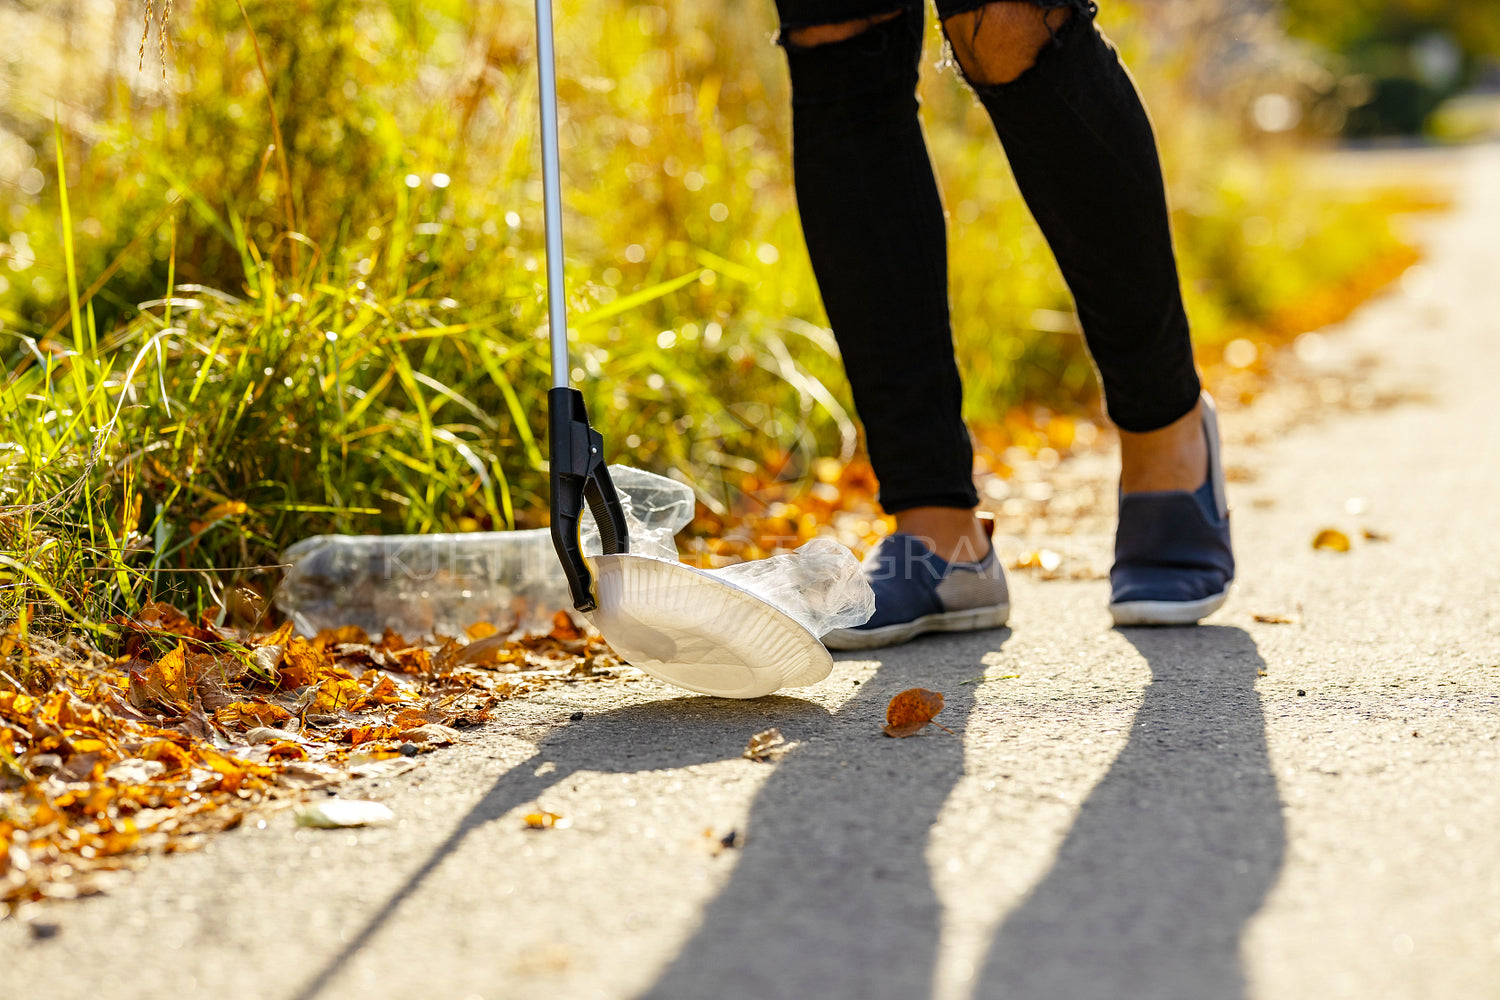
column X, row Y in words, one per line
column 1244, row 809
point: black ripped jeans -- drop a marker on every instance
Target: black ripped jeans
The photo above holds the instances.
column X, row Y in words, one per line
column 1083, row 153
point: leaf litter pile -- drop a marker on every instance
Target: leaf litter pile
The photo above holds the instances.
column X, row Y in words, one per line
column 106, row 760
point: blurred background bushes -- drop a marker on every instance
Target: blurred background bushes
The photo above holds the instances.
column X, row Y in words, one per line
column 257, row 338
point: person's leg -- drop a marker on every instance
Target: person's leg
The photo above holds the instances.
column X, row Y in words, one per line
column 875, row 232
column 1084, row 156
column 1083, row 153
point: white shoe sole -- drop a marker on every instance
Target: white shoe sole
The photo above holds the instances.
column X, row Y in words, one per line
column 1167, row 612
column 970, row 620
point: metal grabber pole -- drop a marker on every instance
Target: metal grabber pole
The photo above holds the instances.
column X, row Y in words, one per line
column 576, row 451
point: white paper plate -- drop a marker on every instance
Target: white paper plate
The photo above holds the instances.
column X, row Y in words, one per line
column 689, row 628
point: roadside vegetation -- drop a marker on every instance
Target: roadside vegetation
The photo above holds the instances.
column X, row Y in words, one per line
column 1419, row 66
column 287, row 278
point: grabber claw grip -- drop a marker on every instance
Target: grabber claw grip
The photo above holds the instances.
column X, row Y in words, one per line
column 579, row 476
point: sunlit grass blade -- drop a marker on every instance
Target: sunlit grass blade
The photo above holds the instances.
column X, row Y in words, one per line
column 635, row 300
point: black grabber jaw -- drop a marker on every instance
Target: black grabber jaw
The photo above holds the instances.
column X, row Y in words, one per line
column 579, row 475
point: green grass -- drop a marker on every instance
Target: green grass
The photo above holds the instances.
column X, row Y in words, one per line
column 220, row 347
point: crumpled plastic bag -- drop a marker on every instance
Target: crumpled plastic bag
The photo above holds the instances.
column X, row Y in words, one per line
column 819, row 584
column 656, row 509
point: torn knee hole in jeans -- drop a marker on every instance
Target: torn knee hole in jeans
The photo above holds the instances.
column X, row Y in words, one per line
column 811, row 36
column 996, row 43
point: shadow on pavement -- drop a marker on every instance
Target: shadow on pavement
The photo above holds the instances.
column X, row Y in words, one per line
column 674, row 732
column 1168, row 859
column 832, row 894
column 1171, row 854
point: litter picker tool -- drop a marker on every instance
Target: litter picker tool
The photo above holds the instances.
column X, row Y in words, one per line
column 680, row 624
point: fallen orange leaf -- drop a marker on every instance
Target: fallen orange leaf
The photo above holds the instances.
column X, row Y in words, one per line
column 286, row 750
column 911, row 710
column 365, row 734
column 232, row 772
column 342, row 634
column 167, row 753
column 563, row 627
column 17, row 705
column 159, row 617
column 1331, row 539
column 410, row 718
column 280, row 637
column 336, row 694
column 299, row 666
column 165, row 682
column 384, row 692
column 245, row 713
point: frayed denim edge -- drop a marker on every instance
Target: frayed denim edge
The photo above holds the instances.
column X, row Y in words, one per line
column 786, row 26
column 1084, row 11
column 1087, row 8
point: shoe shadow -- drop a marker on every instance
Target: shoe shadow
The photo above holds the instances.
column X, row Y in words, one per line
column 1171, row 854
column 671, row 733
column 832, row 894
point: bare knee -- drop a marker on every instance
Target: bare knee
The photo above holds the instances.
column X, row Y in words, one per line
column 998, row 42
column 825, row 34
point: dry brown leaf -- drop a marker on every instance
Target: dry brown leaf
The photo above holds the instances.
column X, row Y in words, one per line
column 351, row 634
column 413, row 660
column 431, row 734
column 910, row 711
column 767, row 745
column 249, row 714
column 1279, row 619
column 1331, row 539
column 366, row 734
column 488, row 651
column 337, row 693
column 165, row 684
column 158, row 617
column 410, row 718
column 1374, row 535
column 564, row 629
column 280, row 637
column 306, row 774
column 300, row 663
column 384, row 692
column 168, row 754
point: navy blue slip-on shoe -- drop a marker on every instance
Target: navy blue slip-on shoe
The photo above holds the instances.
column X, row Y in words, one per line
column 916, row 592
column 1173, row 561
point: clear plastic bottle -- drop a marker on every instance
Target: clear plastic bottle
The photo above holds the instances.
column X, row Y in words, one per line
column 423, row 584
column 443, row 583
